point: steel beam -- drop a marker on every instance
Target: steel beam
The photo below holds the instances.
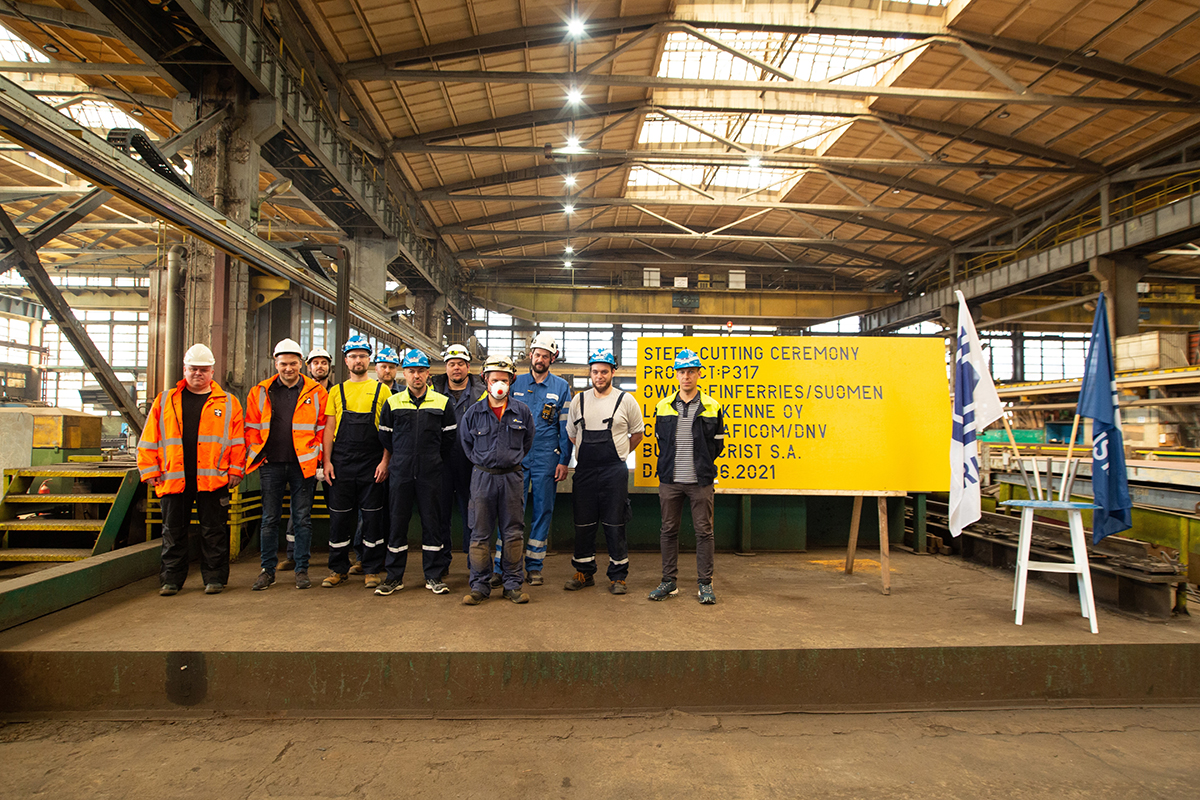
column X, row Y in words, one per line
column 78, row 68
column 59, row 223
column 30, row 267
column 27, row 120
column 813, row 88
column 257, row 59
column 719, row 157
column 542, row 303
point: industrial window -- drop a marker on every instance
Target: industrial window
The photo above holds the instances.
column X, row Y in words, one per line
column 844, row 325
column 316, row 328
column 1054, row 356
column 15, row 331
column 122, row 337
column 13, row 48
column 998, row 348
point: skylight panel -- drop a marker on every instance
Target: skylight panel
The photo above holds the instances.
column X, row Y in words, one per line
column 13, row 48
column 98, row 115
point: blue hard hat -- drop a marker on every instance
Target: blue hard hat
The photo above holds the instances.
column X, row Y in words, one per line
column 415, row 358
column 687, row 358
column 357, row 342
column 603, row 355
column 386, row 356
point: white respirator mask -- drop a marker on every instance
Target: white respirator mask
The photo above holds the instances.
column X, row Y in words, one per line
column 499, row 390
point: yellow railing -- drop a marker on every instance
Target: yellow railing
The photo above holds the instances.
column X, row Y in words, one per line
column 1144, row 198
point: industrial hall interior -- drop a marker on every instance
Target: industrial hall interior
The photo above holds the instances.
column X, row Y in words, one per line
column 882, row 316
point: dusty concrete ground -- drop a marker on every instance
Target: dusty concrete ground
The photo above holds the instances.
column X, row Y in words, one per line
column 1093, row 753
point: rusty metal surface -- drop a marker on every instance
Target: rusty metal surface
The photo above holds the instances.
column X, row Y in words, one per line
column 82, row 684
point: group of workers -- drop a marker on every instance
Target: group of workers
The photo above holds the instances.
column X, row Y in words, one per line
column 383, row 447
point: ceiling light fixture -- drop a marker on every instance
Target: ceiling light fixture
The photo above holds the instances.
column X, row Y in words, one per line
column 755, row 163
column 575, row 27
column 1091, row 53
column 1003, row 115
column 50, row 48
column 573, row 144
column 569, row 180
column 568, row 209
column 566, row 265
column 568, row 249
column 574, row 96
column 137, row 112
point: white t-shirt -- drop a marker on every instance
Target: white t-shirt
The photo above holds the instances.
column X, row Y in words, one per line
column 627, row 419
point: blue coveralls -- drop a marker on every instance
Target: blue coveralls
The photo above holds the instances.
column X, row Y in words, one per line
column 456, row 472
column 497, row 448
column 548, row 401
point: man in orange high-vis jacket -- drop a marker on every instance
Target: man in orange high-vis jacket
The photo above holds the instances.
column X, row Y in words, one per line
column 192, row 451
column 285, row 423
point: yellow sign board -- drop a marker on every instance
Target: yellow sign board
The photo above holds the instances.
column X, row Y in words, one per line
column 813, row 413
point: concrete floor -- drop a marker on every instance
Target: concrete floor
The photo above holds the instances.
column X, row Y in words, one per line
column 1067, row 753
column 771, row 601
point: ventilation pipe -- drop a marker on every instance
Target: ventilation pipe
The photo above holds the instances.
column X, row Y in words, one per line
column 174, row 347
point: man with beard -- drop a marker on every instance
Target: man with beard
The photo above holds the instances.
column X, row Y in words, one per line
column 604, row 425
column 356, row 466
column 320, row 365
column 548, row 397
column 386, row 364
column 417, row 427
column 463, row 389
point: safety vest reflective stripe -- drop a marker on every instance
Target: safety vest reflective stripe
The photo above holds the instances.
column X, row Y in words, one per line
column 218, row 457
column 307, row 426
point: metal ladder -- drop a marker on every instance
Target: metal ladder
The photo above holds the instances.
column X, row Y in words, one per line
column 31, row 523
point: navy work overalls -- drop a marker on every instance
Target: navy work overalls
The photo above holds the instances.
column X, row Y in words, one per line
column 600, row 498
column 356, row 453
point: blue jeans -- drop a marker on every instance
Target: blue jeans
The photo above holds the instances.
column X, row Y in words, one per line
column 275, row 479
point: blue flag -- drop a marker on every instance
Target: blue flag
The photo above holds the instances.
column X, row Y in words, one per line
column 1098, row 401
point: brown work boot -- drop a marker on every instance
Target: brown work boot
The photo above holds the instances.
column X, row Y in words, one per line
column 356, row 569
column 579, row 581
column 373, row 581
column 474, row 599
column 334, row 579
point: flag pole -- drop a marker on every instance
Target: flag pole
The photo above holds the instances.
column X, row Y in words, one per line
column 1021, row 464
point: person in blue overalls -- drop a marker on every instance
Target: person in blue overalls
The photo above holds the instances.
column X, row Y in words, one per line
column 548, row 397
column 496, row 435
column 464, row 390
column 604, row 424
column 356, row 467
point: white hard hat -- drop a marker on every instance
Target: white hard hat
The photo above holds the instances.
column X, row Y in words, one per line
column 547, row 342
column 499, row 364
column 319, row 352
column 198, row 355
column 288, row 346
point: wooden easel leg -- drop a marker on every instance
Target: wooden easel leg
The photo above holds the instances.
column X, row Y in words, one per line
column 884, row 554
column 855, row 517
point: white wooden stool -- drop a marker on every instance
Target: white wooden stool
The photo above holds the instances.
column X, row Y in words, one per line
column 1078, row 565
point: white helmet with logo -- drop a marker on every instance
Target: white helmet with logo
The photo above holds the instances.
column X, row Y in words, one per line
column 319, row 352
column 499, row 364
column 456, row 351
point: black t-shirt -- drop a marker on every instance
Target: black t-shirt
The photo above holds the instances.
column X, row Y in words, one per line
column 191, row 405
column 280, row 449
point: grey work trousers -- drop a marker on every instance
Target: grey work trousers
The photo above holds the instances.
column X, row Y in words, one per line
column 670, row 498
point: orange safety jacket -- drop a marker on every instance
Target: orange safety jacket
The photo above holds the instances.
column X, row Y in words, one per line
column 308, row 423
column 220, row 448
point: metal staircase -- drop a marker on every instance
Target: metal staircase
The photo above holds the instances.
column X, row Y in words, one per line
column 80, row 516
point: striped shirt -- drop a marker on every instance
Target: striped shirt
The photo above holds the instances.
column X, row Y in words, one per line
column 685, row 462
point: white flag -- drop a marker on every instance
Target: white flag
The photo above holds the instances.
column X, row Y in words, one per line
column 976, row 405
